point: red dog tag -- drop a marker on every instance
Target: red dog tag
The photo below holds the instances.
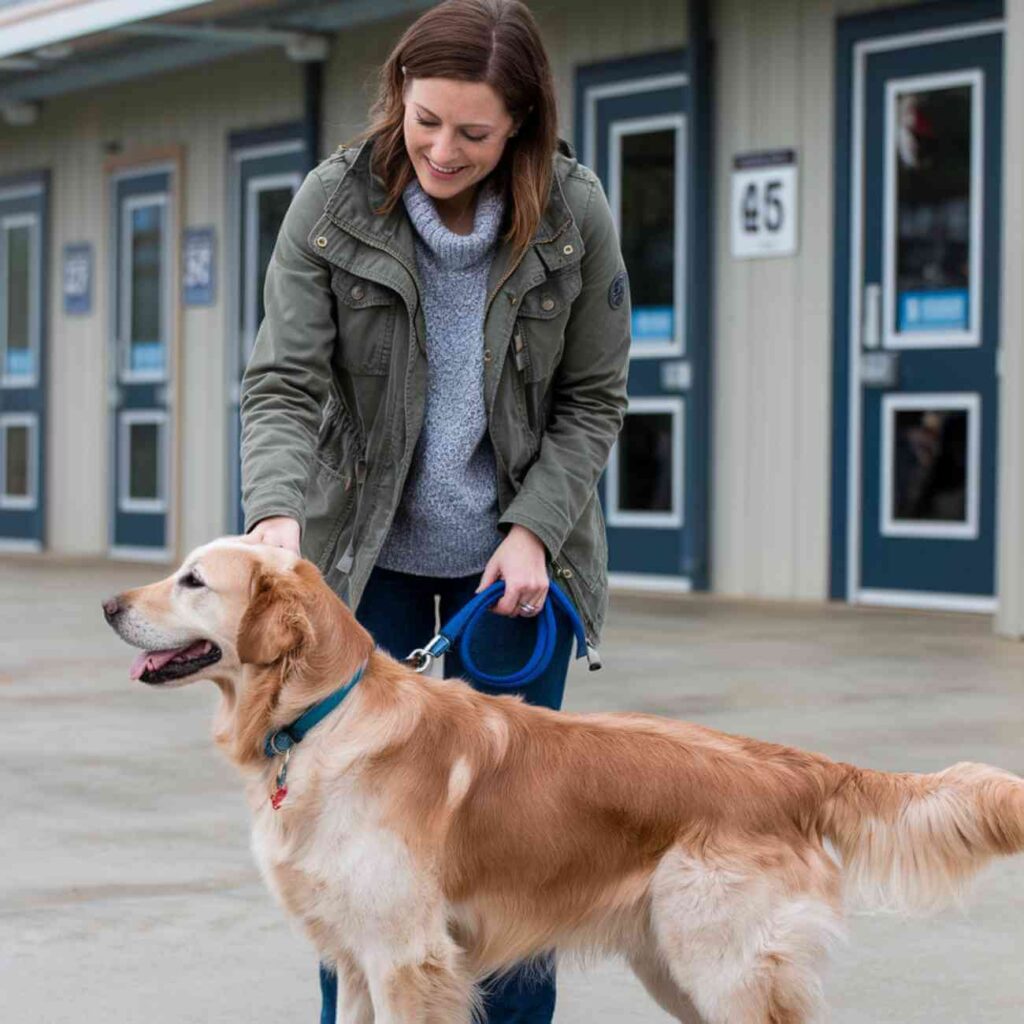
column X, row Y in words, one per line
column 277, row 797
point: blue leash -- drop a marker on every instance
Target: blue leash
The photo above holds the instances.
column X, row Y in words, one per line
column 461, row 625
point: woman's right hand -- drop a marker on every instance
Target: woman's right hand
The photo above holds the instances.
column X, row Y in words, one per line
column 278, row 532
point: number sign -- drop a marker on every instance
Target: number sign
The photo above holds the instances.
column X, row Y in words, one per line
column 764, row 204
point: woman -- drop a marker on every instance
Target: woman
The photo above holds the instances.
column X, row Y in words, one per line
column 442, row 368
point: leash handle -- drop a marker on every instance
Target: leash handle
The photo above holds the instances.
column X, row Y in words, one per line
column 461, row 625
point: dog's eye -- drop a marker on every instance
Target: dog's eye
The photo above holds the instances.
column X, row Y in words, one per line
column 191, row 581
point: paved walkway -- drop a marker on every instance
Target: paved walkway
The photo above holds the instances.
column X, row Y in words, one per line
column 127, row 893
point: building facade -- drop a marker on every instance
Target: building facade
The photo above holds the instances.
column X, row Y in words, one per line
column 818, row 202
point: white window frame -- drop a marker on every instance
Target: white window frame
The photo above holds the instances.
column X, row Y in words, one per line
column 250, row 283
column 889, row 526
column 127, row 419
column 31, row 221
column 674, row 518
column 128, row 205
column 675, row 346
column 20, row 502
column 894, row 339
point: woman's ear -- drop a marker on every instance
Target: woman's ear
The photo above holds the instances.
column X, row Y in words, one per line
column 275, row 623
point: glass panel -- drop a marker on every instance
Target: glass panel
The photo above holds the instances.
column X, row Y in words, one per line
column 18, row 352
column 933, row 210
column 930, row 474
column 648, row 229
column 645, row 463
column 144, row 461
column 146, row 316
column 272, row 203
column 16, row 468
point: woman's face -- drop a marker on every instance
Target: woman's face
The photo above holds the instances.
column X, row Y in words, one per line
column 455, row 133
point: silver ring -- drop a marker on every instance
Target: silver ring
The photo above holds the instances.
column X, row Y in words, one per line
column 526, row 606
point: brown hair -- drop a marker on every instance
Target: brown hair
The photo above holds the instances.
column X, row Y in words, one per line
column 492, row 41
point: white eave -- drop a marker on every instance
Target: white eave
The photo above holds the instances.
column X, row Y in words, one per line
column 28, row 27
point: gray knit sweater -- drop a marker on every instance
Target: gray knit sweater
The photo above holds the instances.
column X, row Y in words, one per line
column 447, row 522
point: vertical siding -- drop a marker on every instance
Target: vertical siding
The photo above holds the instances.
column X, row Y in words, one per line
column 574, row 31
column 195, row 110
column 773, row 328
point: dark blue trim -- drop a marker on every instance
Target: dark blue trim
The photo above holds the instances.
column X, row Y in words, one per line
column 35, row 401
column 661, row 63
column 312, row 109
column 700, row 296
column 246, row 137
column 849, row 32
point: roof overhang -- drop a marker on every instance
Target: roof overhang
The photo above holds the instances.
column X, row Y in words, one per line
column 27, row 27
column 51, row 48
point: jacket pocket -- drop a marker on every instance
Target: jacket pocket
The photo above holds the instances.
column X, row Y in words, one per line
column 333, row 482
column 540, row 327
column 367, row 314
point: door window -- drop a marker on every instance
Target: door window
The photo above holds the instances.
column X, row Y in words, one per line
column 17, row 461
column 142, row 461
column 144, row 295
column 18, row 300
column 932, row 211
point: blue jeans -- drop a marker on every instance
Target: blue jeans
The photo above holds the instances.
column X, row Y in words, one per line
column 398, row 609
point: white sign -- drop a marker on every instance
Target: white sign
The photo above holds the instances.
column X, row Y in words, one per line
column 764, row 204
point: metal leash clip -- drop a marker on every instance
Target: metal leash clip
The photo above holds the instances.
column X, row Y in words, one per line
column 423, row 657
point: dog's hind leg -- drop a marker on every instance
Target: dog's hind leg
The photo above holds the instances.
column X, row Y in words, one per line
column 354, row 1003
column 655, row 977
column 746, row 940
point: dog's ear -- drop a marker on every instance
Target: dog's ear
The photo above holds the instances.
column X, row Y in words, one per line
column 275, row 624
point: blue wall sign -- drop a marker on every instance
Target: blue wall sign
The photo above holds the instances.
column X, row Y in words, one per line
column 78, row 278
column 197, row 271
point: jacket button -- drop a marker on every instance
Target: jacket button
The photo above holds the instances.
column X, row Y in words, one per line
column 568, row 250
column 358, row 291
column 487, row 355
column 567, row 574
column 548, row 304
column 321, row 242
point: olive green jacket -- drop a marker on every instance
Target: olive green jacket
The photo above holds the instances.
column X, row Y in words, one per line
column 334, row 394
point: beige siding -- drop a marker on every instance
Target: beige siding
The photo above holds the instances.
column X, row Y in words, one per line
column 771, row 462
column 195, row 110
column 575, row 32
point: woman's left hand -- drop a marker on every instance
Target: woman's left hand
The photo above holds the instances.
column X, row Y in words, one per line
column 519, row 561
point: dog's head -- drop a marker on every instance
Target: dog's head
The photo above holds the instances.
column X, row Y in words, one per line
column 255, row 619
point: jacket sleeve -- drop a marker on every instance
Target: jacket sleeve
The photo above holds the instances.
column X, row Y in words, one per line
column 285, row 384
column 589, row 389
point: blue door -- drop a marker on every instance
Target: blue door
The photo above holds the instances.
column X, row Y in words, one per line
column 22, row 366
column 142, row 359
column 633, row 127
column 268, row 167
column 925, row 412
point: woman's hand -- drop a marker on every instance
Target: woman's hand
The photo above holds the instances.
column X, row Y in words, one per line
column 278, row 532
column 520, row 562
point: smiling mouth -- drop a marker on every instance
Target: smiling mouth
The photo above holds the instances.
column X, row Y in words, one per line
column 446, row 172
column 156, row 667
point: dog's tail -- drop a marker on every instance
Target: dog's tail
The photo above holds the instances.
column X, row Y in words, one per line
column 911, row 843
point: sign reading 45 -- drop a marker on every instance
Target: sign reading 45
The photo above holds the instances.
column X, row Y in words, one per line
column 764, row 204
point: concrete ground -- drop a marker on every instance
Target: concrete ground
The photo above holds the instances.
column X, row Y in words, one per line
column 127, row 893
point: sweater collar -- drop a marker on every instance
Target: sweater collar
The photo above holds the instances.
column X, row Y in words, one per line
column 448, row 248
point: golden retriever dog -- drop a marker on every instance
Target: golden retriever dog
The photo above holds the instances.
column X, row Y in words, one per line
column 431, row 835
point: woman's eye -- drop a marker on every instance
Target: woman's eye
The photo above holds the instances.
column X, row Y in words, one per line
column 191, row 581
column 476, row 138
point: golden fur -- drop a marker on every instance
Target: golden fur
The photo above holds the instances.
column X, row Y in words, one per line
column 432, row 835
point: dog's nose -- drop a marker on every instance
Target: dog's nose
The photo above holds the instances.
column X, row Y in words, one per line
column 112, row 608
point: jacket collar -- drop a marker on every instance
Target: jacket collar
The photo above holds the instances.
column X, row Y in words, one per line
column 355, row 210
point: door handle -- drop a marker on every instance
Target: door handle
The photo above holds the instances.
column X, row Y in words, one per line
column 871, row 319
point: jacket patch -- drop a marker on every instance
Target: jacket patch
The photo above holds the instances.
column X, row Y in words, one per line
column 617, row 289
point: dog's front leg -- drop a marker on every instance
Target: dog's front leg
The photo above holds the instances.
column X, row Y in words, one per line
column 434, row 988
column 354, row 1003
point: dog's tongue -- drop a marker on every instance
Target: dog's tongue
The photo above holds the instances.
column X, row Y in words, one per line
column 153, row 660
